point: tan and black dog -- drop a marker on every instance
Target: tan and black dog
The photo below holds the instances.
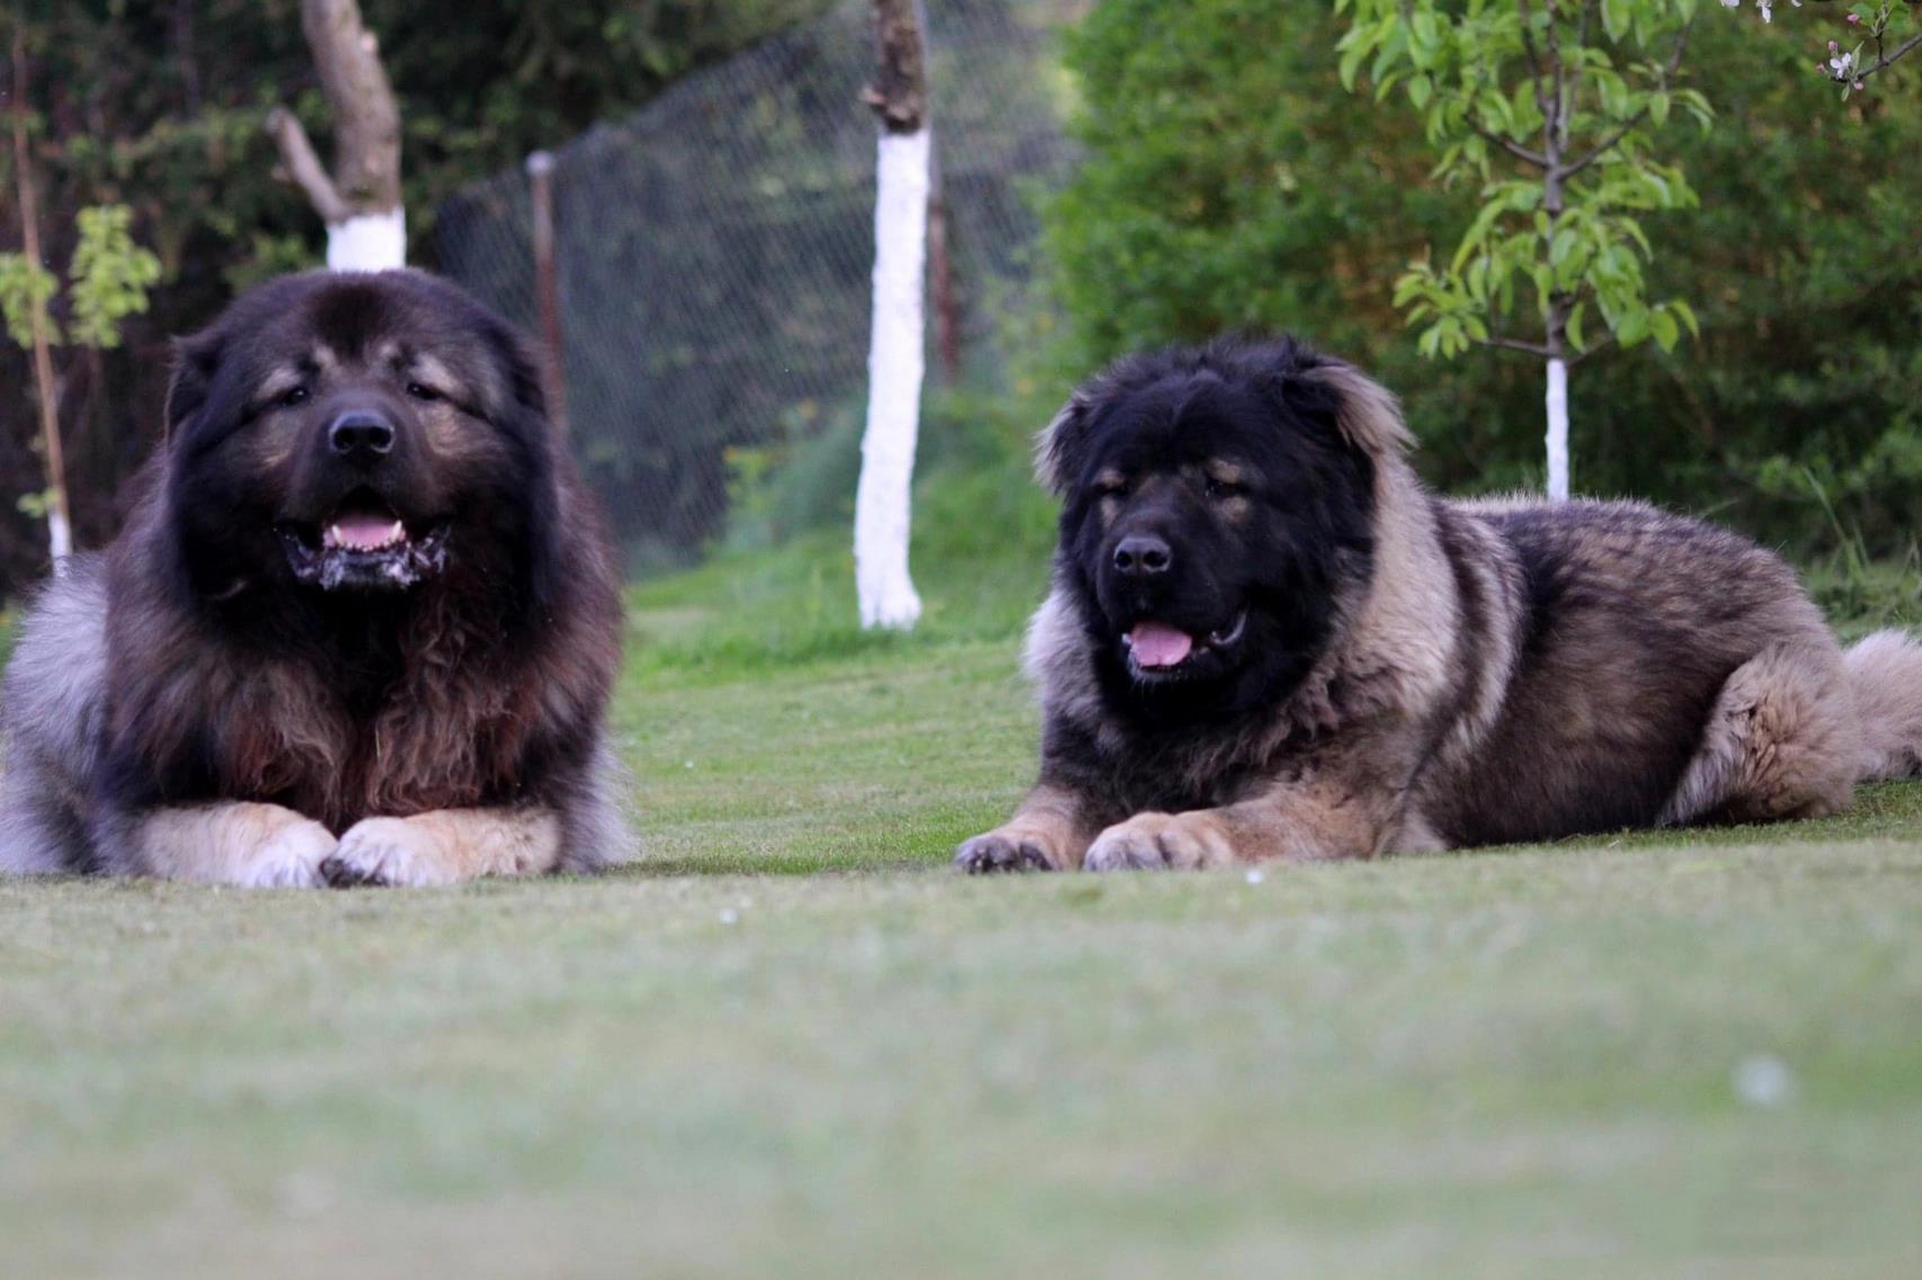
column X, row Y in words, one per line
column 361, row 626
column 1265, row 640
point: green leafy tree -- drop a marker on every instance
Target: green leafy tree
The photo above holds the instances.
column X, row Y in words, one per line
column 1553, row 109
column 1194, row 213
column 107, row 280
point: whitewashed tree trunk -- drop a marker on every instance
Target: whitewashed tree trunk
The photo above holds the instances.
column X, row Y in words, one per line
column 360, row 200
column 896, row 343
column 896, row 365
column 59, row 537
column 368, row 242
column 1557, row 430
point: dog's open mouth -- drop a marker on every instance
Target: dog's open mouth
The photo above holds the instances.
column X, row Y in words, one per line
column 1158, row 651
column 364, row 545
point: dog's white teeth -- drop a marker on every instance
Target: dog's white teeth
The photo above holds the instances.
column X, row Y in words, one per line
column 360, row 538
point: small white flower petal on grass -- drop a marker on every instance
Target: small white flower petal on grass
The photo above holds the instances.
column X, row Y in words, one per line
column 1764, row 1080
column 1255, row 875
column 729, row 915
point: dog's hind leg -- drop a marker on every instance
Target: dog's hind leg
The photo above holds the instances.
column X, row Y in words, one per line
column 1782, row 740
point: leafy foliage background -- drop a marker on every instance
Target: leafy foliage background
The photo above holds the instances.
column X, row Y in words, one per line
column 1230, row 183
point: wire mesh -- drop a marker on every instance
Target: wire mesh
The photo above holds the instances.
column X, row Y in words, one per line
column 713, row 250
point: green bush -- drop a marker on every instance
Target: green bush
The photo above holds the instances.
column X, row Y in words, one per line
column 1230, row 184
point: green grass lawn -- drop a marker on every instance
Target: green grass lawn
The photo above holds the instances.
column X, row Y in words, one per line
column 790, row 1043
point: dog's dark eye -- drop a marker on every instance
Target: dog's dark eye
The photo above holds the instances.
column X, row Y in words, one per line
column 1111, row 489
column 423, row 393
column 293, row 397
column 1223, row 488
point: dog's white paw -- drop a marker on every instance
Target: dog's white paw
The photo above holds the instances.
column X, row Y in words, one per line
column 290, row 858
column 388, row 851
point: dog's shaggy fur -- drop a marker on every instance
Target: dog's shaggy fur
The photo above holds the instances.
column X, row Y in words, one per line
column 1266, row 640
column 361, row 625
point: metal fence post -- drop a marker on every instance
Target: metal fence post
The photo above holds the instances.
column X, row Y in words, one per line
column 540, row 181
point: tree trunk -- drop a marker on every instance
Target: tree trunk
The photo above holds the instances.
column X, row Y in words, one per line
column 360, row 202
column 1557, row 429
column 46, row 390
column 896, row 351
column 1559, row 308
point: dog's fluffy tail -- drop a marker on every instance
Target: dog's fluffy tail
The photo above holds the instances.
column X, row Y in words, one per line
column 1885, row 673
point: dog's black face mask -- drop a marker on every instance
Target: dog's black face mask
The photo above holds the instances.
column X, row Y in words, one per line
column 1212, row 511
column 350, row 434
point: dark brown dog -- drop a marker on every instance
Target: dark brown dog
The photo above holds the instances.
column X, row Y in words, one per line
column 360, row 628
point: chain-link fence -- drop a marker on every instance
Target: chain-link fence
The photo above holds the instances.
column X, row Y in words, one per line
column 712, row 252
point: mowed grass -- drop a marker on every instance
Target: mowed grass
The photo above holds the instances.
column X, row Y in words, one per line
column 790, row 1042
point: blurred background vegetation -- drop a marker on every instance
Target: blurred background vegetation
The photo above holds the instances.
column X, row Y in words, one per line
column 1224, row 182
column 158, row 105
column 1229, row 183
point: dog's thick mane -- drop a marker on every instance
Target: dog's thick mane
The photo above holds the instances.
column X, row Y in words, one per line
column 1368, row 663
column 464, row 693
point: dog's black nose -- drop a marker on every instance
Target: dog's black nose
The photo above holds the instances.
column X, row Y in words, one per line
column 1143, row 555
column 360, row 434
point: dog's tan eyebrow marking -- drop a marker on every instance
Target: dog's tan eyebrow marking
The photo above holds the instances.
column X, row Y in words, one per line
column 431, row 369
column 1222, row 471
column 1107, row 480
column 282, row 379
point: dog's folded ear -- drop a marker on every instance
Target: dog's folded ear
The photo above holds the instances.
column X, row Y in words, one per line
column 523, row 369
column 194, row 361
column 1366, row 413
column 1062, row 446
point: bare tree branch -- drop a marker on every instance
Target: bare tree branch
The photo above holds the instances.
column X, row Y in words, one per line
column 1537, row 350
column 303, row 167
column 899, row 95
column 47, row 390
column 366, row 116
column 1603, row 344
column 366, row 174
column 1602, row 148
column 1509, row 145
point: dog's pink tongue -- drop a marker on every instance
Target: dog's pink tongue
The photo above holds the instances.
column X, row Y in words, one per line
column 1156, row 644
column 365, row 532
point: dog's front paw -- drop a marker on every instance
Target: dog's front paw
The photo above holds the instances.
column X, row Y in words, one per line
column 1007, row 849
column 290, row 858
column 387, row 851
column 1160, row 841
